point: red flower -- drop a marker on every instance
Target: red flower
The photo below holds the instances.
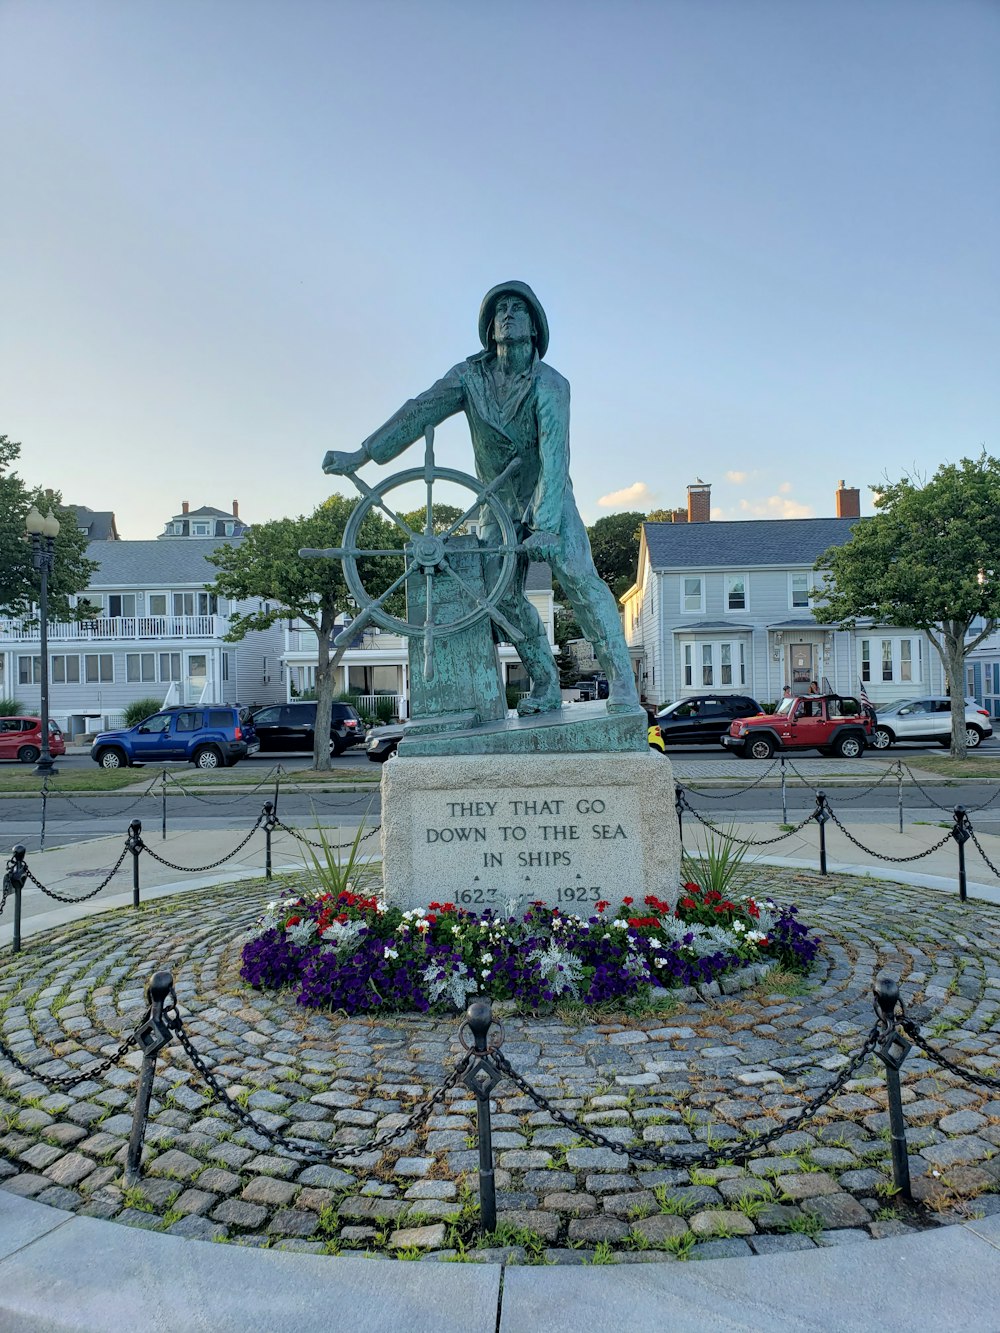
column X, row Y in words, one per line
column 602, row 905
column 627, row 902
column 430, row 919
column 292, row 921
column 693, row 888
column 688, row 903
column 752, row 908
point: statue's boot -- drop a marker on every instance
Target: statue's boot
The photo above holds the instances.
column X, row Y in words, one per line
column 540, row 701
column 623, row 696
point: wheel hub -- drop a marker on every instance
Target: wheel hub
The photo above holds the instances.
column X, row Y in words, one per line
column 428, row 552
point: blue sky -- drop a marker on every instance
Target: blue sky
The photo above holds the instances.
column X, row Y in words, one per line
column 236, row 234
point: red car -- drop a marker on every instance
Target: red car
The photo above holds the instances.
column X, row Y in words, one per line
column 830, row 723
column 21, row 738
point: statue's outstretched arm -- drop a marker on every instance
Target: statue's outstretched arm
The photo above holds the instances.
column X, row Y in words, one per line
column 436, row 404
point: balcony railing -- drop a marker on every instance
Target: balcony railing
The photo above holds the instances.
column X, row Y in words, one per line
column 118, row 628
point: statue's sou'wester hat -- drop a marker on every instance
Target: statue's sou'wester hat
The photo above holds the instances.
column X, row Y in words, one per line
column 486, row 312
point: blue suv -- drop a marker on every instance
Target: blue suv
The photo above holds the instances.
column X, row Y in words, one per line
column 207, row 736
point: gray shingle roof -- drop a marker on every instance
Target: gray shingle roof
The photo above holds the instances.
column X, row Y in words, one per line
column 538, row 577
column 736, row 544
column 154, row 564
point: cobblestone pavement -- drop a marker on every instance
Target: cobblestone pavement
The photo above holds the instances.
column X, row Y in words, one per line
column 702, row 1073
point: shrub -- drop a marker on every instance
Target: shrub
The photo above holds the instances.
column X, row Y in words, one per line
column 139, row 709
column 11, row 707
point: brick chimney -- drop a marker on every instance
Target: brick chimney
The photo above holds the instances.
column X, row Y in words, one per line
column 848, row 501
column 699, row 502
column 236, row 509
column 184, row 506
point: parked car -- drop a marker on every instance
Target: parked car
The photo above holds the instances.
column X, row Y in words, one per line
column 21, row 738
column 830, row 723
column 592, row 688
column 927, row 719
column 293, row 726
column 213, row 736
column 698, row 720
column 381, row 742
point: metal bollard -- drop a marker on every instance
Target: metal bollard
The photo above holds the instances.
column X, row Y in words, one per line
column 133, row 842
column 270, row 820
column 45, row 804
column 15, row 878
column 892, row 1050
column 163, row 804
column 821, row 814
column 899, row 792
column 481, row 1078
column 277, row 783
column 152, row 1036
column 784, row 804
column 679, row 807
column 961, row 832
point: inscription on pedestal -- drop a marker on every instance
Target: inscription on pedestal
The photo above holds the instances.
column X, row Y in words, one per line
column 570, row 847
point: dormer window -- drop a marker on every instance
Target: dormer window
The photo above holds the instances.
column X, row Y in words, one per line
column 200, row 529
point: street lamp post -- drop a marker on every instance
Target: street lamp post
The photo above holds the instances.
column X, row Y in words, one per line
column 43, row 533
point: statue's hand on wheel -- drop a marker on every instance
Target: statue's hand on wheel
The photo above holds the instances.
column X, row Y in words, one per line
column 542, row 545
column 339, row 464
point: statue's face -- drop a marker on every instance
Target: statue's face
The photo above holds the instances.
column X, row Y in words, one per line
column 512, row 320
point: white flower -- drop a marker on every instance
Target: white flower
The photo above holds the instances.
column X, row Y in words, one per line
column 390, row 953
column 619, row 924
column 739, row 926
column 486, row 958
column 654, row 942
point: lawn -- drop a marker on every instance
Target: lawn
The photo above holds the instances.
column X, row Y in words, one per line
column 943, row 766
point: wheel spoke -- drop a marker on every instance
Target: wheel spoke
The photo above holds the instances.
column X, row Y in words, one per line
column 487, row 490
column 339, row 552
column 379, row 503
column 366, row 612
column 496, row 614
column 429, row 481
column 429, row 629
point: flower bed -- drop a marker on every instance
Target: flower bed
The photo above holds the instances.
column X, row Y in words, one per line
column 352, row 953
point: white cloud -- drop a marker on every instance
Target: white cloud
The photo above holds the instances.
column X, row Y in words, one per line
column 785, row 488
column 636, row 496
column 718, row 513
column 737, row 478
column 776, row 506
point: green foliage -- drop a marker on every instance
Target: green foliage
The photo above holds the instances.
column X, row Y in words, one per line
column 719, row 864
column 338, row 875
column 513, row 695
column 614, row 542
column 927, row 560
column 11, row 707
column 19, row 581
column 140, row 709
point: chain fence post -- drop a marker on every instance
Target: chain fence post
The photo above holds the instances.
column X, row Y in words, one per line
column 821, row 814
column 679, row 807
column 163, row 804
column 899, row 792
column 481, row 1078
column 15, row 878
column 784, row 806
column 892, row 1049
column 270, row 820
column 133, row 843
column 45, row 804
column 961, row 831
column 151, row 1036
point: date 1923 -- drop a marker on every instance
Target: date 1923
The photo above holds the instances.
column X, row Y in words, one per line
column 579, row 894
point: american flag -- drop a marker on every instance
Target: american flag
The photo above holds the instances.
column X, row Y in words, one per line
column 864, row 694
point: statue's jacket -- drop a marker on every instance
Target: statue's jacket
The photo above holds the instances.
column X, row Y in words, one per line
column 530, row 421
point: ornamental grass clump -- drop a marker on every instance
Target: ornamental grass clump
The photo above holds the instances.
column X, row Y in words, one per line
column 349, row 952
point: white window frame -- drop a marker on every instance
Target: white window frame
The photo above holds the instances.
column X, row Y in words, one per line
column 65, row 659
column 121, row 598
column 704, row 665
column 700, row 608
column 167, row 676
column 99, row 678
column 732, row 579
column 200, row 529
column 134, row 668
column 29, row 666
column 166, row 603
column 792, row 579
column 905, row 651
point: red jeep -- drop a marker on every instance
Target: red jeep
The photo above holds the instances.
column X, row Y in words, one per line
column 830, row 723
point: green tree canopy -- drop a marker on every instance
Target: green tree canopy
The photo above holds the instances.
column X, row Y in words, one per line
column 926, row 560
column 19, row 581
column 266, row 564
column 614, row 541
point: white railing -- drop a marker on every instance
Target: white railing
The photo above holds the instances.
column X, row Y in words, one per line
column 129, row 628
column 304, row 641
column 368, row 703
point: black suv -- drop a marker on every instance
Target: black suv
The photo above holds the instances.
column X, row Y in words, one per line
column 700, row 719
column 292, row 726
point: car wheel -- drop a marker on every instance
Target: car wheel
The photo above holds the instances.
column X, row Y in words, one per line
column 881, row 739
column 112, row 759
column 762, row 747
column 972, row 737
column 848, row 747
column 207, row 756
column 29, row 754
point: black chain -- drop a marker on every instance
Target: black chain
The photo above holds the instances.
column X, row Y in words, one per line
column 63, row 898
column 6, row 893
column 881, row 856
column 212, row 865
column 975, row 842
column 64, row 796
column 892, row 771
column 299, row 1147
column 704, row 1157
column 333, row 846
column 743, row 842
column 962, row 1071
column 71, row 1080
column 728, row 795
column 930, row 799
column 227, row 801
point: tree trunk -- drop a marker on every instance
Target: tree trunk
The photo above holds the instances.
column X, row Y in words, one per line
column 325, row 675
column 954, row 656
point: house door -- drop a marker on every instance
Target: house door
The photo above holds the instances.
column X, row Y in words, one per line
column 197, row 677
column 802, row 656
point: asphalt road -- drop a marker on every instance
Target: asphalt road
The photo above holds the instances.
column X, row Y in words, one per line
column 86, row 816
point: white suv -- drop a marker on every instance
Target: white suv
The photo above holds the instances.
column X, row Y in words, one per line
column 927, row 720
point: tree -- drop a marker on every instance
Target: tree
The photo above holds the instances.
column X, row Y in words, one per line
column 614, row 541
column 925, row 561
column 266, row 564
column 19, row 580
column 662, row 515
